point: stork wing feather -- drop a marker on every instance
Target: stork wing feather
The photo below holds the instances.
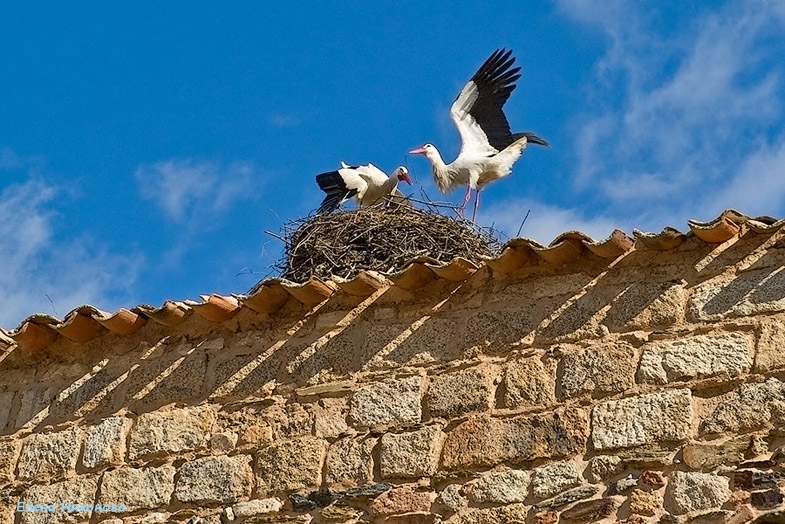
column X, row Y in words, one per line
column 477, row 111
column 340, row 186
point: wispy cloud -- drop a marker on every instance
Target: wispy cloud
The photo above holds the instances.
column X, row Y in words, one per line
column 183, row 188
column 47, row 270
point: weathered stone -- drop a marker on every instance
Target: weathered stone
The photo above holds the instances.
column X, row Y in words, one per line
column 32, row 402
column 397, row 402
column 640, row 459
column 769, row 355
column 49, row 455
column 512, row 514
column 256, row 507
column 367, row 491
column 291, row 465
column 756, row 479
column 341, row 514
column 706, row 455
column 750, row 293
column 350, row 461
column 105, row 443
column 644, row 502
column 454, row 394
column 644, row 305
column 9, row 451
column 488, row 441
column 634, row 421
column 749, row 407
column 183, row 369
column 77, row 491
column 549, row 480
column 412, row 454
column 546, row 517
column 501, row 487
column 601, row 369
column 654, row 479
column 589, row 510
column 742, row 515
column 279, row 519
column 330, row 417
column 170, row 431
column 451, row 497
column 401, row 500
column 145, row 488
column 766, row 499
column 155, row 518
column 622, row 485
column 583, row 492
column 218, row 479
column 695, row 491
column 301, row 504
column 223, row 442
column 602, row 467
column 663, row 362
column 6, row 399
column 530, row 382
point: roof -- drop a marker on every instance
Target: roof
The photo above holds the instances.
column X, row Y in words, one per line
column 87, row 322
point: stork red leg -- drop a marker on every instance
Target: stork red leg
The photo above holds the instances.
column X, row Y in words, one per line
column 466, row 198
column 476, row 205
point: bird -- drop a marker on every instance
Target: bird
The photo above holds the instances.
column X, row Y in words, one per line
column 367, row 184
column 488, row 147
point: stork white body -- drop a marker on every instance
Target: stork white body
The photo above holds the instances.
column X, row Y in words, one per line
column 366, row 184
column 488, row 148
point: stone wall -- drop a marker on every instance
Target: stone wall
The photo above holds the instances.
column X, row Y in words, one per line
column 648, row 391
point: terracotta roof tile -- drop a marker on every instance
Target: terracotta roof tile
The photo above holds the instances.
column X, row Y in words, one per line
column 667, row 239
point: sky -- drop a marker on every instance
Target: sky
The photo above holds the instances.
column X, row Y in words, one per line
column 146, row 148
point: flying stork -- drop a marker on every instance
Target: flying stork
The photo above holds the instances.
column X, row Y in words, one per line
column 367, row 184
column 489, row 149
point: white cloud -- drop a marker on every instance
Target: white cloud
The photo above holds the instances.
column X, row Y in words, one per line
column 44, row 272
column 185, row 188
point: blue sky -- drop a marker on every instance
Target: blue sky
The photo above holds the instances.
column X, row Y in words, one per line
column 145, row 148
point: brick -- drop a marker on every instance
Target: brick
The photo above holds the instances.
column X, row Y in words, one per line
column 644, row 305
column 728, row 354
column 219, row 479
column 501, row 487
column 634, row 421
column 750, row 293
column 9, row 452
column 412, row 454
column 603, row 369
column 530, row 382
column 696, row 491
column 455, row 394
column 173, row 431
column 486, row 441
column 77, row 491
column 401, row 500
column 49, row 455
column 291, row 465
column 145, row 488
column 105, row 443
column 749, row 407
column 396, row 402
column 350, row 462
column 769, row 355
column 553, row 479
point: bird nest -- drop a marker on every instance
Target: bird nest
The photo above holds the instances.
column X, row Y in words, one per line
column 382, row 238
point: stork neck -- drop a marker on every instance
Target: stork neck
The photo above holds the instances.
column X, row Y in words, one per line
column 442, row 173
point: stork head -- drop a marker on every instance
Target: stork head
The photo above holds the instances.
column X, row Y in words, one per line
column 403, row 175
column 429, row 150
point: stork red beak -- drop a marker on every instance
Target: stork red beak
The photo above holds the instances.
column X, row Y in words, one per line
column 418, row 151
column 406, row 178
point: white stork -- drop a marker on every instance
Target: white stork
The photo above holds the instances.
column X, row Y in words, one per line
column 367, row 184
column 489, row 149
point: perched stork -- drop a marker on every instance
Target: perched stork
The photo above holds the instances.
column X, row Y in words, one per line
column 489, row 149
column 367, row 184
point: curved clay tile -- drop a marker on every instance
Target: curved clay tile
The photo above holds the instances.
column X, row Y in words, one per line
column 364, row 284
column 765, row 225
column 669, row 238
column 615, row 245
column 33, row 337
column 309, row 293
column 122, row 322
column 413, row 276
column 216, row 308
column 170, row 313
column 717, row 231
column 79, row 325
column 515, row 254
column 564, row 248
column 266, row 297
column 457, row 270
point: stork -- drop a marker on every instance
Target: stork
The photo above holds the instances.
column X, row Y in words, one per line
column 367, row 184
column 488, row 147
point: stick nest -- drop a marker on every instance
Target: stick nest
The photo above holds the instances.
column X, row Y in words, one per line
column 384, row 238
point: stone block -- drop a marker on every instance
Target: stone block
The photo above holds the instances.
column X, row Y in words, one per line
column 291, row 465
column 350, row 461
column 750, row 293
column 688, row 491
column 105, row 443
column 486, row 441
column 530, row 382
column 769, row 354
column 32, row 402
column 412, row 454
column 599, row 369
column 510, row 514
column 729, row 354
column 501, row 487
column 76, row 491
column 9, row 452
column 553, row 479
column 220, row 479
column 709, row 455
column 252, row 508
column 49, row 455
column 173, row 431
column 747, row 408
column 655, row 417
column 645, row 502
column 146, row 488
column 183, row 377
column 6, row 401
column 396, row 403
column 401, row 500
column 603, row 467
column 451, row 497
column 223, row 442
column 568, row 497
column 330, row 417
column 644, row 305
column 460, row 392
column 493, row 330
column 589, row 510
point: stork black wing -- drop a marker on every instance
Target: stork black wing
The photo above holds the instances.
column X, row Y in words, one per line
column 334, row 185
column 495, row 80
